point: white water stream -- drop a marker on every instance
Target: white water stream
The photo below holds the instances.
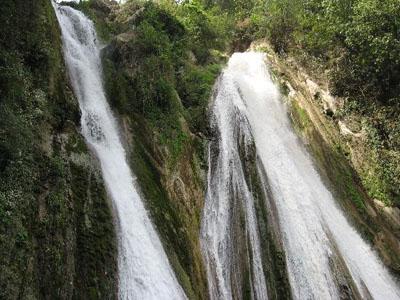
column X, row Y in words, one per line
column 313, row 227
column 226, row 185
column 144, row 270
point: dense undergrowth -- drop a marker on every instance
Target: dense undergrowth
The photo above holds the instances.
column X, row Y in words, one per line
column 161, row 60
column 160, row 64
column 159, row 76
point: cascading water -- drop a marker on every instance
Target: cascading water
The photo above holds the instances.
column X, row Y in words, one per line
column 144, row 270
column 228, row 196
column 324, row 253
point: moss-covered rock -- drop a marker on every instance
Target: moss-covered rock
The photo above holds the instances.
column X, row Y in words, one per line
column 339, row 153
column 56, row 232
column 172, row 186
column 161, row 95
column 271, row 244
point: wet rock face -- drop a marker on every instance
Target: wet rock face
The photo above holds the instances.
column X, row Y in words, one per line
column 57, row 239
column 342, row 153
column 273, row 254
column 94, row 127
column 330, row 104
column 173, row 191
column 165, row 156
column 239, row 235
column 391, row 215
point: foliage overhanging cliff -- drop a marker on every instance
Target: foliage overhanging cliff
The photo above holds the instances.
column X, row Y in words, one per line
column 160, row 62
column 352, row 48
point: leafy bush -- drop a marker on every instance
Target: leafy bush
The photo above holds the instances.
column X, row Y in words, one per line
column 205, row 31
column 358, row 43
column 195, row 88
column 282, row 22
column 372, row 41
column 358, row 40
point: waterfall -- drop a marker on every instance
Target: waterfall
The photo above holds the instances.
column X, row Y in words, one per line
column 144, row 270
column 326, row 257
column 228, row 196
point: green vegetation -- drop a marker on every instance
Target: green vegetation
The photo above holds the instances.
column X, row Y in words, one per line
column 165, row 67
column 175, row 61
column 56, row 232
column 355, row 40
column 159, row 68
column 46, row 249
column 160, row 63
column 355, row 47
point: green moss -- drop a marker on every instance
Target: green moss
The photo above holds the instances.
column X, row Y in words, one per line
column 301, row 116
column 175, row 141
column 38, row 135
column 195, row 87
column 167, row 216
column 352, row 190
column 95, row 260
column 332, row 160
column 375, row 186
column 273, row 257
column 153, row 81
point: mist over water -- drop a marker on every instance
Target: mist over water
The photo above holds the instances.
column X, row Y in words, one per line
column 324, row 253
column 144, row 270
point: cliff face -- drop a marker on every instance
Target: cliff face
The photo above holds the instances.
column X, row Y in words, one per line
column 147, row 70
column 165, row 155
column 172, row 185
column 343, row 156
column 56, row 233
column 57, row 238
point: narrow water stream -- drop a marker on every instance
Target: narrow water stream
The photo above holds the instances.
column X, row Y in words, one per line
column 144, row 270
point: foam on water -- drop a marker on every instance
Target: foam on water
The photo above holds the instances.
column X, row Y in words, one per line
column 313, row 227
column 144, row 270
